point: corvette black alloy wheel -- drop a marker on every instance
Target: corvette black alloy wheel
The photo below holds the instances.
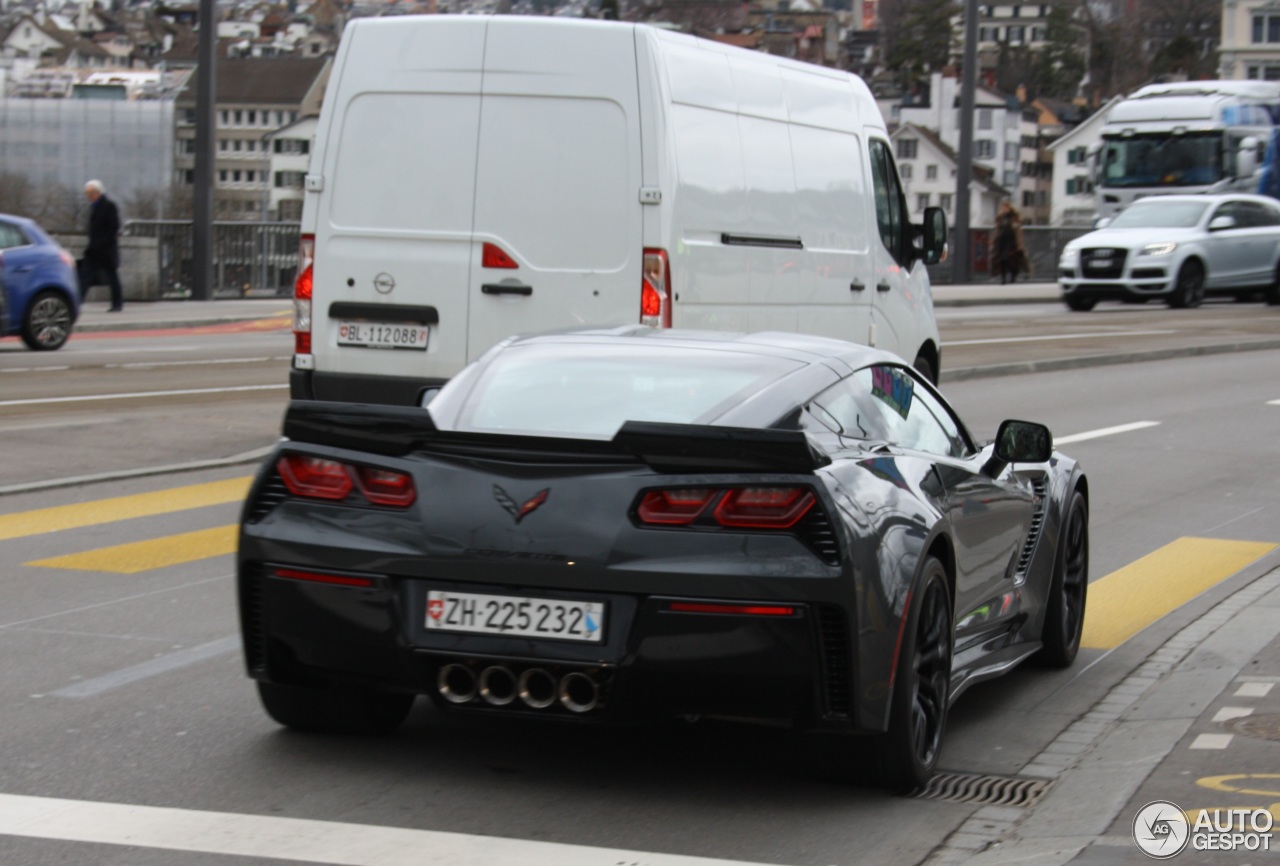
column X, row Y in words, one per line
column 908, row 753
column 1064, row 618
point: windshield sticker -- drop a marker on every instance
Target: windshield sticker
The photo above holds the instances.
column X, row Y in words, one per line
column 893, row 387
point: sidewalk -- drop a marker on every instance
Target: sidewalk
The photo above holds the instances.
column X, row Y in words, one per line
column 159, row 315
column 1194, row 723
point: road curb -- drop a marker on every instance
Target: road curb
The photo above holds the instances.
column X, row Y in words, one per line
column 253, row 456
column 1086, row 757
column 99, row 327
column 1022, row 367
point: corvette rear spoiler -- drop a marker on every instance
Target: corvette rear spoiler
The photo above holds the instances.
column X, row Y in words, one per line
column 401, row 430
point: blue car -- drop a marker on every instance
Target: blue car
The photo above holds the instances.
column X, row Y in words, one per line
column 41, row 291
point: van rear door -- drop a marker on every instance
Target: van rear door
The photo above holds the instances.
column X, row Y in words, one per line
column 558, row 180
column 393, row 225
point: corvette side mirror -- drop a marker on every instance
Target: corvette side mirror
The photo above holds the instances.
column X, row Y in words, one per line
column 1020, row 442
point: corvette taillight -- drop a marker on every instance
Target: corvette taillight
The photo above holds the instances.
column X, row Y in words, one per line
column 314, row 477
column 764, row 507
column 384, row 487
column 320, row 478
column 780, row 507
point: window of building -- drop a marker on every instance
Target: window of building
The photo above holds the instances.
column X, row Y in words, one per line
column 922, row 201
column 1010, row 179
column 222, row 175
column 239, row 117
column 236, row 175
column 224, row 117
column 189, row 116
column 944, row 201
column 905, row 171
column 253, row 117
column 1017, row 35
column 930, row 172
column 251, row 145
column 189, row 176
column 1010, row 152
column 1266, row 28
column 1028, row 198
column 907, row 148
column 984, row 148
column 984, row 118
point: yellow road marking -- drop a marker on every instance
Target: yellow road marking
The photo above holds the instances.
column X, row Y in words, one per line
column 1128, row 600
column 61, row 517
column 1244, row 783
column 146, row 555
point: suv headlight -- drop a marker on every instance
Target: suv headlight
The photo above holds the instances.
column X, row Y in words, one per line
column 1162, row 249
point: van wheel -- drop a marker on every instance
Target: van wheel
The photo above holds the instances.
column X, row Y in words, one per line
column 924, row 366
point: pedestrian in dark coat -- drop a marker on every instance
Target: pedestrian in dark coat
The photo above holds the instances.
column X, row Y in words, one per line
column 1010, row 250
column 102, row 255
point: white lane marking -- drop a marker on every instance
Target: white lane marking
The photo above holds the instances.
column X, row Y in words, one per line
column 299, row 839
column 1084, row 336
column 1273, row 402
column 143, row 365
column 150, row 668
column 136, row 350
column 137, row 394
column 58, row 425
column 1211, row 741
column 34, row 369
column 1253, row 690
column 1104, row 431
column 1226, row 714
column 121, row 600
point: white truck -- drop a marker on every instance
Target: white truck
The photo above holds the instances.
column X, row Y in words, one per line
column 476, row 177
column 1185, row 137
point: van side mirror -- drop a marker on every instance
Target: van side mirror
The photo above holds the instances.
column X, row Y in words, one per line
column 1019, row 442
column 1247, row 157
column 934, row 230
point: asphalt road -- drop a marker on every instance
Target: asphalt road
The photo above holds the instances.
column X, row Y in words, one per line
column 121, row 680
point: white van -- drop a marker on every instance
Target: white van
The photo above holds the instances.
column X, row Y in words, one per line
column 476, row 177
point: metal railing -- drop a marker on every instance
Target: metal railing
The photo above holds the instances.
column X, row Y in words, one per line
column 249, row 258
column 262, row 258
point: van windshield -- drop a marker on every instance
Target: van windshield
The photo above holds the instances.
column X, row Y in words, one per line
column 1162, row 159
column 588, row 391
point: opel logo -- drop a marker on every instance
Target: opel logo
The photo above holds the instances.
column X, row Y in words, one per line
column 384, row 283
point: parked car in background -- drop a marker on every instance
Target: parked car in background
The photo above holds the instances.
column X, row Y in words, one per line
column 42, row 295
column 1177, row 249
column 648, row 524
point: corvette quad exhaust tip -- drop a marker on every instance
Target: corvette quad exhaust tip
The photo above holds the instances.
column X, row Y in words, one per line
column 579, row 693
column 497, row 685
column 537, row 688
column 457, row 684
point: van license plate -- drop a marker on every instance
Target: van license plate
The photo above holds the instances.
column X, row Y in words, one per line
column 382, row 336
column 515, row 616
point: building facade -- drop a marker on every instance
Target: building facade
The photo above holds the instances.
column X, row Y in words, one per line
column 1250, row 46
column 255, row 98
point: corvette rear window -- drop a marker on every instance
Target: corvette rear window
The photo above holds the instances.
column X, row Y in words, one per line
column 579, row 391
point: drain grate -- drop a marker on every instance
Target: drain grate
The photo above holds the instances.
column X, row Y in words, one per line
column 985, row 790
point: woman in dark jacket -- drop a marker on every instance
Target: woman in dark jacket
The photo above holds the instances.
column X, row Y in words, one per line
column 1010, row 252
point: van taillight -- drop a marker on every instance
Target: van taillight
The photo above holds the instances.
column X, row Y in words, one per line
column 302, row 295
column 655, row 290
column 494, row 256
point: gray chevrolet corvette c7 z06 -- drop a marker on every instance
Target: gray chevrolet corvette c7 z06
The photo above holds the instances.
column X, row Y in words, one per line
column 633, row 524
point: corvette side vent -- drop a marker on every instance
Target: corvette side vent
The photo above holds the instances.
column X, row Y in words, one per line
column 836, row 673
column 817, row 532
column 251, row 612
column 271, row 495
column 1040, row 486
